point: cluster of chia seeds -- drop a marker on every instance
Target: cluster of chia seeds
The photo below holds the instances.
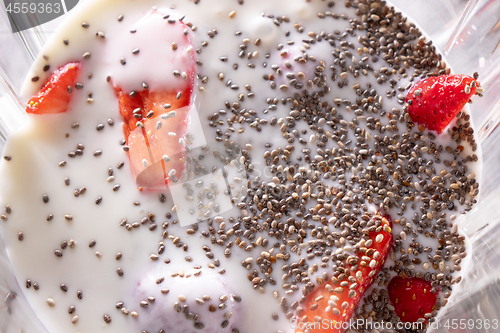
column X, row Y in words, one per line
column 378, row 157
column 340, row 160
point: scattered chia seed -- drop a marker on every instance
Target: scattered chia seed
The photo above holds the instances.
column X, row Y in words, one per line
column 294, row 222
column 51, row 302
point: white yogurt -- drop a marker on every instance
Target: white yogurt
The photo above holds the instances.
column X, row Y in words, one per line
column 39, row 147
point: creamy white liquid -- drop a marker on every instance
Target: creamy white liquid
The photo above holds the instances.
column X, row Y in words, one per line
column 39, row 147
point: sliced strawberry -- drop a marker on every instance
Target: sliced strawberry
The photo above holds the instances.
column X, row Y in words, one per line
column 55, row 94
column 411, row 297
column 150, row 101
column 330, row 304
column 436, row 100
column 155, row 150
column 156, row 119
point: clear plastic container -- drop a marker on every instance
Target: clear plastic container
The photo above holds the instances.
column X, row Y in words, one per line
column 468, row 35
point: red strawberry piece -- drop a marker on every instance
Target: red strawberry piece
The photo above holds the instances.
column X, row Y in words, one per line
column 330, row 304
column 436, row 100
column 154, row 151
column 55, row 94
column 411, row 297
column 156, row 121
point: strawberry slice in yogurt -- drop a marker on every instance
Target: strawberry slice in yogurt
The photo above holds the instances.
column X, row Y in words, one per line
column 333, row 303
column 156, row 111
column 55, row 95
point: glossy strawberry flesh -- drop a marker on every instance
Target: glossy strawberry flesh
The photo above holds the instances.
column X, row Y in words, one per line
column 330, row 305
column 55, row 95
column 436, row 100
column 411, row 297
column 156, row 152
column 149, row 101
